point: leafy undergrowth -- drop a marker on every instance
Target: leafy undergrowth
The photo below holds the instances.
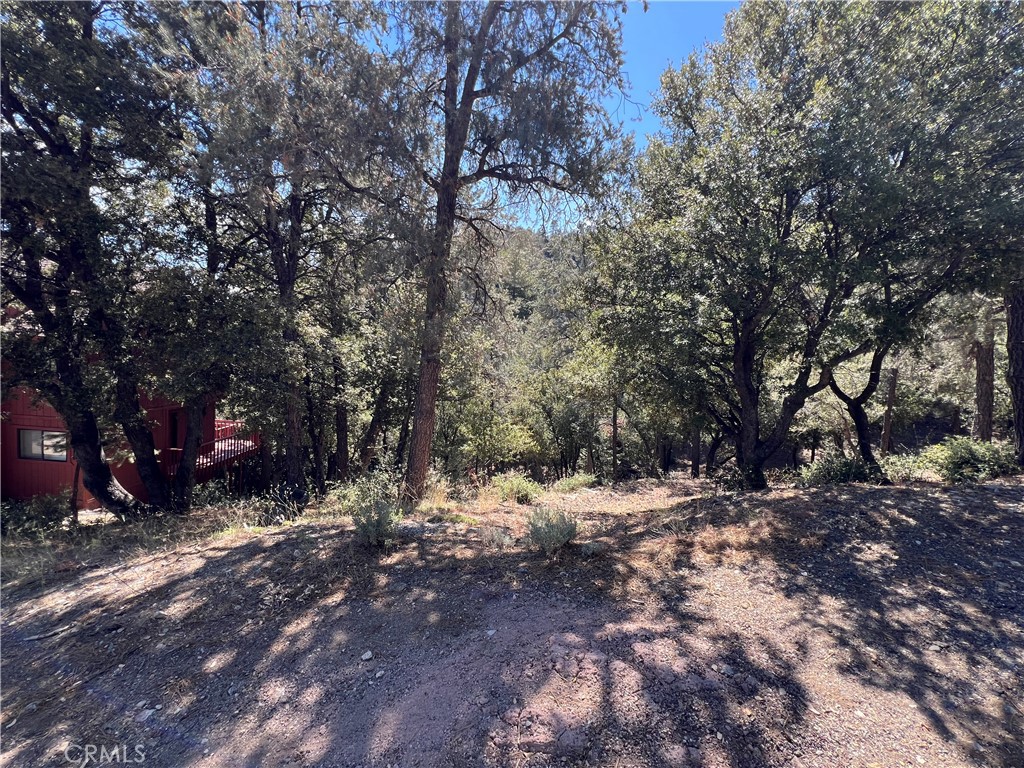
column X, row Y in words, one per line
column 843, row 626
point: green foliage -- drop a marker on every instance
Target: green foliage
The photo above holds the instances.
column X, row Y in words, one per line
column 834, row 470
column 453, row 517
column 516, row 487
column 962, row 460
column 575, row 482
column 902, row 467
column 39, row 515
column 212, row 493
column 377, row 522
column 729, row 477
column 551, row 530
column 349, row 498
column 496, row 538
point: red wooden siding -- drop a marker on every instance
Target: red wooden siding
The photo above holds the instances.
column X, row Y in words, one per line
column 224, row 443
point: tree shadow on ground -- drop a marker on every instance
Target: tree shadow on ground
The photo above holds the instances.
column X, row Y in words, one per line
column 253, row 647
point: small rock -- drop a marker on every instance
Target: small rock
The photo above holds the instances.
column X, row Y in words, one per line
column 858, row 713
column 727, row 670
column 144, row 715
column 490, row 632
column 695, row 755
column 380, row 673
column 934, row 647
column 367, row 655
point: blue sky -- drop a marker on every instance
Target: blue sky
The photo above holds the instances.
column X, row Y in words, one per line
column 655, row 40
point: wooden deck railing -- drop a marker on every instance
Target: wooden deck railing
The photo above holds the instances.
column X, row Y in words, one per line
column 230, row 446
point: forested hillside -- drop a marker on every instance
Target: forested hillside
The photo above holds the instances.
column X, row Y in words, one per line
column 412, row 237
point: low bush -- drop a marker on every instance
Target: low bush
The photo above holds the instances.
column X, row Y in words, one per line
column 212, row 493
column 575, row 482
column 513, row 486
column 377, row 522
column 962, row 460
column 551, row 529
column 345, row 499
column 834, row 470
column 496, row 538
column 728, row 477
column 41, row 514
column 902, row 468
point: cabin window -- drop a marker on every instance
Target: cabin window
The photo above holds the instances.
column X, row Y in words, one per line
column 42, row 445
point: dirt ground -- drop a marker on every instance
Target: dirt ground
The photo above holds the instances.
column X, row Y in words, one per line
column 855, row 626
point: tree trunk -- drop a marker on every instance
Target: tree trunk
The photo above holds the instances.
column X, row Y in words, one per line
column 139, row 432
column 1014, row 302
column 316, row 439
column 984, row 353
column 855, row 407
column 695, row 453
column 615, row 439
column 185, row 475
column 368, row 445
column 890, row 405
column 86, row 442
column 73, row 503
column 403, row 436
column 713, row 446
column 340, row 462
column 341, row 443
column 459, row 96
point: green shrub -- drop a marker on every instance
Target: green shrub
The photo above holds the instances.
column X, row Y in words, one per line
column 575, row 482
column 212, row 493
column 962, row 460
column 377, row 522
column 551, row 529
column 513, row 486
column 496, row 538
column 729, row 477
column 348, row 498
column 902, row 468
column 41, row 514
column 834, row 470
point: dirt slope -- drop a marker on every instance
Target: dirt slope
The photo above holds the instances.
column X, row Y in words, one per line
column 856, row 626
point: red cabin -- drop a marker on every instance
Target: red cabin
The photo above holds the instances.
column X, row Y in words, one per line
column 35, row 458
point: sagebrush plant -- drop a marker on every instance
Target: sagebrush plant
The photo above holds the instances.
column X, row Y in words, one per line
column 38, row 515
column 493, row 537
column 377, row 522
column 575, row 482
column 834, row 470
column 345, row 499
column 902, row 468
column 963, row 460
column 513, row 486
column 551, row 529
